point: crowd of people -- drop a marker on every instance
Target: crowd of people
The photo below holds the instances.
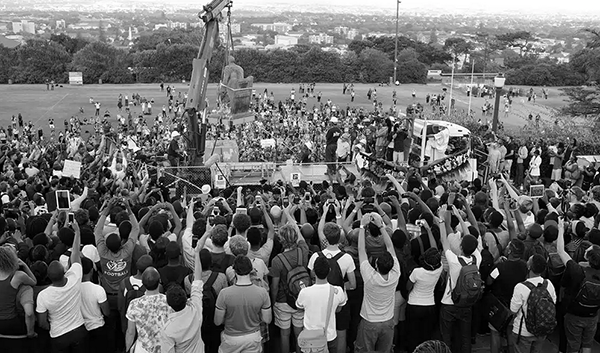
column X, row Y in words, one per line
column 113, row 261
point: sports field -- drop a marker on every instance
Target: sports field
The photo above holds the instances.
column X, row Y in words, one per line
column 37, row 105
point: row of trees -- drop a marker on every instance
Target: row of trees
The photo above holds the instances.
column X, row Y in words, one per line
column 167, row 56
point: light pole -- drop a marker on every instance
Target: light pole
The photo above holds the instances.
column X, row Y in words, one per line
column 396, row 45
column 498, row 83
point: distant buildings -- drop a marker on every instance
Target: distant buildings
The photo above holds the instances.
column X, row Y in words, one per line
column 353, row 33
column 23, row 27
column 61, row 24
column 276, row 27
column 285, row 40
column 340, row 30
column 236, row 28
column 320, row 39
column 17, row 27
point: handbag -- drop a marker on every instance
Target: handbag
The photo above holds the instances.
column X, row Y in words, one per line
column 315, row 341
column 498, row 314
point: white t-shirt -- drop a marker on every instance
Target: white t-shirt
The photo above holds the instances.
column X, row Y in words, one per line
column 378, row 301
column 63, row 304
column 314, row 300
column 454, row 270
column 92, row 295
column 345, row 262
column 425, row 281
column 518, row 303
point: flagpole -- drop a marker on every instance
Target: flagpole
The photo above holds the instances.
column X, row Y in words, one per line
column 451, row 85
column 471, row 89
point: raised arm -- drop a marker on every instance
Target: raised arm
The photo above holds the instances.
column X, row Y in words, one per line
column 362, row 249
column 135, row 226
column 512, row 232
column 268, row 220
column 560, row 244
column 76, row 252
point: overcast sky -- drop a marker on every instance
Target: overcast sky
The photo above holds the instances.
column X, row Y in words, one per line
column 537, row 6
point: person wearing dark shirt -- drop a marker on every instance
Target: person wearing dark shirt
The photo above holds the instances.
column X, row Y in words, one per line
column 173, row 272
column 333, row 134
column 173, row 152
column 581, row 319
column 503, row 279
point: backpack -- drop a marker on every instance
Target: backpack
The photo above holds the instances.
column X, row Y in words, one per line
column 223, row 265
column 556, row 267
column 541, row 310
column 487, row 262
column 134, row 291
column 587, row 301
column 209, row 302
column 297, row 278
column 469, row 285
column 335, row 277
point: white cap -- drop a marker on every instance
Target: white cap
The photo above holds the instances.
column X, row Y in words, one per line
column 334, row 120
column 205, row 189
column 276, row 211
column 175, row 134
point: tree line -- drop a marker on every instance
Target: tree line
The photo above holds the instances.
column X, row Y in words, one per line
column 167, row 56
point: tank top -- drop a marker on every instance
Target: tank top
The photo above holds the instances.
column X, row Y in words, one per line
column 8, row 299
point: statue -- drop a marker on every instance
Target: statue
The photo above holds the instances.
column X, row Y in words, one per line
column 236, row 91
column 233, row 76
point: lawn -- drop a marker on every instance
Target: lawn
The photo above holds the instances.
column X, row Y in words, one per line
column 36, row 104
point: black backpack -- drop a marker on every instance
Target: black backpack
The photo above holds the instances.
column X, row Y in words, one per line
column 223, row 265
column 587, row 301
column 335, row 277
column 134, row 291
column 209, row 302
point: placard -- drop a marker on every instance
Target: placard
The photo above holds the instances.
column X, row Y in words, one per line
column 536, row 191
column 71, row 168
column 295, row 179
column 220, row 182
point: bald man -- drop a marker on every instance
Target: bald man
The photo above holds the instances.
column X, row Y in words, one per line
column 59, row 305
column 147, row 315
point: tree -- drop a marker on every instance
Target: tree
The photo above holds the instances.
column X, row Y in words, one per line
column 433, row 38
column 412, row 71
column 587, row 62
column 40, row 60
column 457, row 46
column 375, row 66
column 582, row 101
column 72, row 45
column 99, row 60
column 594, row 41
column 7, row 59
column 519, row 39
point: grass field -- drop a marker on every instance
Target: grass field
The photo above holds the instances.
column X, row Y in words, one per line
column 36, row 104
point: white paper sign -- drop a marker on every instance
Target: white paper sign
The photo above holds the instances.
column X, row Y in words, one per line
column 220, row 182
column 71, row 168
column 295, row 179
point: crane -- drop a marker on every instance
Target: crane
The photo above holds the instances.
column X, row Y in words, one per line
column 196, row 103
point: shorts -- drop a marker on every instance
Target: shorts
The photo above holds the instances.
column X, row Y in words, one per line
column 580, row 331
column 342, row 318
column 286, row 316
column 249, row 343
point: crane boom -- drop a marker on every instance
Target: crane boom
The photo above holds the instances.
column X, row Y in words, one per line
column 196, row 102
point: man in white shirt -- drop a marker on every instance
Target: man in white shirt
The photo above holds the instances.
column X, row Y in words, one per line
column 451, row 316
column 94, row 308
column 376, row 329
column 520, row 339
column 59, row 305
column 182, row 330
column 314, row 301
column 329, row 233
